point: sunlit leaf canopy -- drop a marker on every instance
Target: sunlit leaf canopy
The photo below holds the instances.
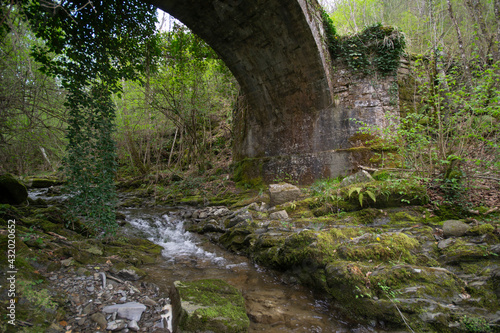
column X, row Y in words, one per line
column 95, row 39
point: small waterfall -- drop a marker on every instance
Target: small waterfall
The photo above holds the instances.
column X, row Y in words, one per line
column 178, row 244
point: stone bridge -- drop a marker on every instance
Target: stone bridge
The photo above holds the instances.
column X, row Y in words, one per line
column 294, row 119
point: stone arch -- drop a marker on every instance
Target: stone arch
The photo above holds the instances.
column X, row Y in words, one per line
column 294, row 120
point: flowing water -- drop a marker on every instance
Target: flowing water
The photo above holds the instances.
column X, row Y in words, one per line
column 273, row 306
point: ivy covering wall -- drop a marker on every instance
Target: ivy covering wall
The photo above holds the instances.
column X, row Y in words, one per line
column 377, row 49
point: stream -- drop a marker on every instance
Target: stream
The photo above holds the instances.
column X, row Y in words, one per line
column 272, row 305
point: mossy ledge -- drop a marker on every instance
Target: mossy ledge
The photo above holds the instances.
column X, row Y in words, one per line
column 376, row 264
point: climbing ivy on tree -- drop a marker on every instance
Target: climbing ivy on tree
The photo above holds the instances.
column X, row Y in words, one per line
column 99, row 43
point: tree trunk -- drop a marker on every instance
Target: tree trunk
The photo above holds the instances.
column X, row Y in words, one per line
column 172, row 149
column 460, row 43
column 496, row 46
column 487, row 39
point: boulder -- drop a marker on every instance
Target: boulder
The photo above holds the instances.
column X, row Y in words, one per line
column 43, row 182
column 129, row 272
column 130, row 310
column 454, row 228
column 100, row 319
column 12, row 192
column 211, row 305
column 359, row 177
column 281, row 193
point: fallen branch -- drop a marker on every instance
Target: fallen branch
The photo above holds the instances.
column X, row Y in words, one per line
column 486, row 177
column 386, row 169
column 56, row 235
column 109, row 276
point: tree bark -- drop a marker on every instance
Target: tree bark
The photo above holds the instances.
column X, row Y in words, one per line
column 476, row 10
column 460, row 42
column 496, row 45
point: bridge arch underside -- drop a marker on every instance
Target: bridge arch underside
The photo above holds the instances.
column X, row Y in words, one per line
column 288, row 124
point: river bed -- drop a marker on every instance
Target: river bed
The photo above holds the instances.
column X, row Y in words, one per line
column 272, row 304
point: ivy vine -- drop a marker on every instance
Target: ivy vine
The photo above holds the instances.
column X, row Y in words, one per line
column 377, row 48
column 98, row 44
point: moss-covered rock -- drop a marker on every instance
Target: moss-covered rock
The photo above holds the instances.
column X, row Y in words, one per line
column 128, row 272
column 39, row 182
column 211, row 305
column 136, row 251
column 12, row 192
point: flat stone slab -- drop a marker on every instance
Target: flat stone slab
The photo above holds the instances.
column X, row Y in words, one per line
column 130, row 310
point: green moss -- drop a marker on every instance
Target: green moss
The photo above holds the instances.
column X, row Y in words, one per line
column 481, row 229
column 389, row 246
column 461, row 251
column 211, row 305
column 248, row 173
column 135, row 251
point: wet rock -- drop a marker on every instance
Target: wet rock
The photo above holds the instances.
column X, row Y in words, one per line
column 130, row 273
column 148, row 301
column 454, row 228
column 430, row 317
column 12, row 192
column 281, row 193
column 100, row 319
column 212, row 226
column 43, row 182
column 116, row 325
column 240, row 217
column 221, row 211
column 359, row 177
column 130, row 310
column 279, row 215
column 263, row 307
column 211, row 305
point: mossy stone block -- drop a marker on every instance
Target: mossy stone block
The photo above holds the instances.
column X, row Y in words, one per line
column 211, row 305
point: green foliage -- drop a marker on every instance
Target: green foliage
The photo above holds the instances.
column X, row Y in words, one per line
column 194, row 92
column 40, row 298
column 331, row 33
column 361, row 192
column 32, row 111
column 390, row 293
column 90, row 163
column 376, row 49
column 475, row 324
column 98, row 44
column 452, row 137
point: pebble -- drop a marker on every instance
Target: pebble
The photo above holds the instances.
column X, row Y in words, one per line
column 116, row 325
column 87, row 299
column 132, row 325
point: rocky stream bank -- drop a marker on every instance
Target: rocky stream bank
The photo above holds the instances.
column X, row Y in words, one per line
column 391, row 267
